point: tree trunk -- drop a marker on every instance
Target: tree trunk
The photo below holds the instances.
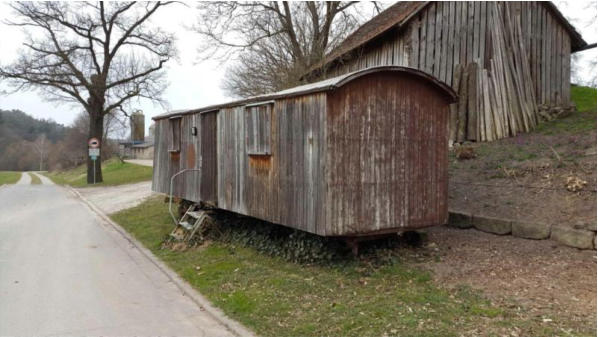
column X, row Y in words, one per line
column 96, row 130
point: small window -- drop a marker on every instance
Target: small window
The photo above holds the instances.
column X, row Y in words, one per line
column 257, row 127
column 175, row 134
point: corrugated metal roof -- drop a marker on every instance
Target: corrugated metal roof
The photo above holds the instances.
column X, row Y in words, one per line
column 324, row 85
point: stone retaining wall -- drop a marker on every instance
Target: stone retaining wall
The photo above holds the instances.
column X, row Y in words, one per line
column 581, row 235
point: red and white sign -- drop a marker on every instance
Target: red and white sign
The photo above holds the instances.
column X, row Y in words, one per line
column 93, row 143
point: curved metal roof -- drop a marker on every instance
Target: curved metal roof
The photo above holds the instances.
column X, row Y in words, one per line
column 326, row 85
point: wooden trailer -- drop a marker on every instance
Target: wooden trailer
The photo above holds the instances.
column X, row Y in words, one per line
column 361, row 154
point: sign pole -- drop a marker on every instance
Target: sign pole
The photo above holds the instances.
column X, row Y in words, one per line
column 94, row 152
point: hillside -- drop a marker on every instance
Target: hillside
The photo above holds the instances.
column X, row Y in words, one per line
column 17, row 130
column 546, row 176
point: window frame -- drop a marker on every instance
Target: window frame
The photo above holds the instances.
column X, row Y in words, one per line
column 258, row 128
column 175, row 124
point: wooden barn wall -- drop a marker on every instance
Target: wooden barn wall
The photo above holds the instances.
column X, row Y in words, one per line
column 446, row 38
column 285, row 187
column 387, row 164
column 391, row 50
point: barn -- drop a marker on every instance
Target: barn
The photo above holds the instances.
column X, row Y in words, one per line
column 509, row 62
column 358, row 154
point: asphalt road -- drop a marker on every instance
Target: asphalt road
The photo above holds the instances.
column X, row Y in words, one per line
column 66, row 272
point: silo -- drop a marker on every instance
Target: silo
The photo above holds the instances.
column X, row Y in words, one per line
column 137, row 127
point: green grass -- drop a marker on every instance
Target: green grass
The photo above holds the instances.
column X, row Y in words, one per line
column 114, row 173
column 584, row 119
column 35, row 180
column 584, row 98
column 274, row 297
column 9, row 177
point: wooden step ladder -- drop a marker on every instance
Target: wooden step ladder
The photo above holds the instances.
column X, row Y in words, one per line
column 189, row 224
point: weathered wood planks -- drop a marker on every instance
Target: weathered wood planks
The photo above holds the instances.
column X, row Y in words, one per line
column 532, row 46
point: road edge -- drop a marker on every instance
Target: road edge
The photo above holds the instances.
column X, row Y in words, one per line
column 204, row 304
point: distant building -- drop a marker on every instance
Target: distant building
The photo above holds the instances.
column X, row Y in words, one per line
column 138, row 146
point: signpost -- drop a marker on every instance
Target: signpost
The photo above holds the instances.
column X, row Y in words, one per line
column 94, row 153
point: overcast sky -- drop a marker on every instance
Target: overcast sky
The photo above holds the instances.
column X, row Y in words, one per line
column 194, row 84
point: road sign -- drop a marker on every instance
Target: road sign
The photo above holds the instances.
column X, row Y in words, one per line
column 94, row 153
column 93, row 143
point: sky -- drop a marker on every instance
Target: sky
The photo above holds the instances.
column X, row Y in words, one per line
column 192, row 84
column 195, row 84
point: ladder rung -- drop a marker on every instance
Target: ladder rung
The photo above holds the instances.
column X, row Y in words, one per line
column 195, row 214
column 186, row 225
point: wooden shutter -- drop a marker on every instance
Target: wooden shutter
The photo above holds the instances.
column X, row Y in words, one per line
column 258, row 119
column 175, row 134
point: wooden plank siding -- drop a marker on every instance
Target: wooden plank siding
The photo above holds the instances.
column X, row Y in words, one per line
column 196, row 152
column 285, row 186
column 393, row 171
column 445, row 35
column 209, row 157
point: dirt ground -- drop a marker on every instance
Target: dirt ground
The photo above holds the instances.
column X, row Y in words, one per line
column 532, row 177
column 144, row 162
column 552, row 284
column 112, row 199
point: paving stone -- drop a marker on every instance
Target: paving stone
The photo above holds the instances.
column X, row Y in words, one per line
column 460, row 220
column 530, row 230
column 492, row 225
column 587, row 225
column 571, row 237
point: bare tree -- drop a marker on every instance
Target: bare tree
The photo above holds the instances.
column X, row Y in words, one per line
column 99, row 55
column 40, row 145
column 274, row 43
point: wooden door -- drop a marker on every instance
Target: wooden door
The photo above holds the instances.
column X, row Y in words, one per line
column 209, row 157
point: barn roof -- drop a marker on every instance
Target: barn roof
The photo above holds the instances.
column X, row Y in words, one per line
column 325, row 85
column 401, row 12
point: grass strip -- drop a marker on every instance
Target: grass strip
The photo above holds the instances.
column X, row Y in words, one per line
column 9, row 177
column 352, row 297
column 35, row 180
column 114, row 173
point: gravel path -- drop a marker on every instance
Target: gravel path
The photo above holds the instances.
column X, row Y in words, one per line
column 25, row 179
column 144, row 162
column 112, row 199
